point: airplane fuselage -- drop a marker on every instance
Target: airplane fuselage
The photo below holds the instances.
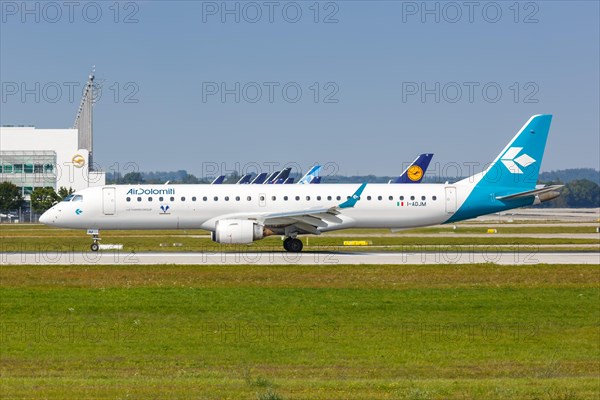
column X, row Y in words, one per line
column 198, row 206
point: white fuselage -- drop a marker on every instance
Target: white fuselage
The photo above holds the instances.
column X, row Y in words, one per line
column 200, row 206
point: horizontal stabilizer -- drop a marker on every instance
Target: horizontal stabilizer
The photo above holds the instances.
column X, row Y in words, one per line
column 534, row 192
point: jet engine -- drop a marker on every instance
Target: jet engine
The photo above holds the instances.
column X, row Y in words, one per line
column 238, row 231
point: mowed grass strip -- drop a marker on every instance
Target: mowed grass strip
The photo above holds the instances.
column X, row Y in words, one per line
column 33, row 230
column 301, row 276
column 414, row 332
column 313, row 243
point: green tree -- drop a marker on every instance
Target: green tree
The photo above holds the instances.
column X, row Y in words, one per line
column 190, row 179
column 43, row 198
column 10, row 196
column 132, row 178
column 582, row 193
column 64, row 192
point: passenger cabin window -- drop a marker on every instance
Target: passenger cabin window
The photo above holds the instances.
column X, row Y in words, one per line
column 182, row 198
column 204, row 198
column 285, row 198
column 161, row 198
column 237, row 198
column 226, row 198
column 249, row 198
column 318, row 197
column 379, row 198
column 401, row 197
column 308, row 198
column 422, row 197
column 412, row 197
column 297, row 198
column 368, row 197
column 338, row 198
column 194, row 198
column 434, row 198
column 262, row 198
column 172, row 198
column 328, row 197
column 127, row 199
column 273, row 198
column 391, row 198
column 149, row 198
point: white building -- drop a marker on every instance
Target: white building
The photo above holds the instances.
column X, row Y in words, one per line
column 55, row 158
column 31, row 158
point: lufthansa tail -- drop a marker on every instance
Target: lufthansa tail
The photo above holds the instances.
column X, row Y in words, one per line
column 415, row 171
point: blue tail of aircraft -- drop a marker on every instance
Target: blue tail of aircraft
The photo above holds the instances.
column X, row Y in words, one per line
column 244, row 179
column 510, row 181
column 260, row 179
column 310, row 175
column 415, row 171
column 218, row 180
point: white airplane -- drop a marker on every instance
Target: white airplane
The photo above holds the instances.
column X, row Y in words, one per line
column 239, row 214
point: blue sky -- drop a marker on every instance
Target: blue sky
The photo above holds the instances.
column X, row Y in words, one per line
column 361, row 69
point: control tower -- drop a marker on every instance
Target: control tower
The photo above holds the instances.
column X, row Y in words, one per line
column 84, row 121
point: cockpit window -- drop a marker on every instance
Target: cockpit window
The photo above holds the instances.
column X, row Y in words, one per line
column 77, row 197
column 69, row 197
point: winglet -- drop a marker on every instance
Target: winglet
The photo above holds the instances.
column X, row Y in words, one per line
column 354, row 198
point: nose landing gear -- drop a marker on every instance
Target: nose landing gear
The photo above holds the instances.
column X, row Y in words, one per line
column 95, row 233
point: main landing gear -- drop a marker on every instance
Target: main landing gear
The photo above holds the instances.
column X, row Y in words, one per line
column 293, row 245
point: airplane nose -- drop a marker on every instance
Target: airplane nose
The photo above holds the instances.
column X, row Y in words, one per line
column 46, row 217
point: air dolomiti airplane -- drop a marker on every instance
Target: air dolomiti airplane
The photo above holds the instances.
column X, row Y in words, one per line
column 238, row 214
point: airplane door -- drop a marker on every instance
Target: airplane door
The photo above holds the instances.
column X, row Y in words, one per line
column 450, row 200
column 262, row 200
column 109, row 205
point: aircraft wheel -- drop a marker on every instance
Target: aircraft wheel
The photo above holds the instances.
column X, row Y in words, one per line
column 94, row 247
column 294, row 246
column 286, row 244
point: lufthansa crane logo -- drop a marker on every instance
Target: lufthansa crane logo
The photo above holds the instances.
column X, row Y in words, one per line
column 78, row 160
column 510, row 160
column 415, row 173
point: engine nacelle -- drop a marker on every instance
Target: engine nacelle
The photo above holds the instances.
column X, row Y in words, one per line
column 238, row 231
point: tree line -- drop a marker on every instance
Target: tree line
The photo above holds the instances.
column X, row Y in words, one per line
column 578, row 193
column 41, row 198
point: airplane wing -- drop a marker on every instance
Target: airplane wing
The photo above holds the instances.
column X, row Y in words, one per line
column 303, row 221
column 309, row 220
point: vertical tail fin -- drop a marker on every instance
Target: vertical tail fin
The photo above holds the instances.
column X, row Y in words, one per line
column 415, row 172
column 517, row 167
column 514, row 171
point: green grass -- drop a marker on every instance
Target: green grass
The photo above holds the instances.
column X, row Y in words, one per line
column 269, row 332
column 39, row 238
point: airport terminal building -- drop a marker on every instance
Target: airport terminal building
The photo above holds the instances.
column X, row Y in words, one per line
column 32, row 158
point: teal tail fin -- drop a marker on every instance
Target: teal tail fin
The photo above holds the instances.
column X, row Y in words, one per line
column 517, row 167
column 510, row 180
